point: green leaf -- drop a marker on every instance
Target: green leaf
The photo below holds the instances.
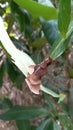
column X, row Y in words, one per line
column 60, row 45
column 64, row 16
column 12, row 52
column 56, row 126
column 46, row 125
column 26, row 113
column 37, row 10
column 50, row 103
column 48, row 91
column 23, row 125
column 72, row 9
column 50, row 29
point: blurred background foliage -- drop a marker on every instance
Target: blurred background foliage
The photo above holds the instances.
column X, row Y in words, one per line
column 36, row 37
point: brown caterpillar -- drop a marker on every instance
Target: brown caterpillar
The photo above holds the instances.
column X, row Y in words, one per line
column 36, row 72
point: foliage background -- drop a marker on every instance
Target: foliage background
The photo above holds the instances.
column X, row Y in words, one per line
column 26, row 32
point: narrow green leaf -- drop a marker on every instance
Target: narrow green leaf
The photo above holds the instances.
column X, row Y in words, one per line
column 37, row 9
column 26, row 113
column 64, row 16
column 23, row 125
column 12, row 52
column 72, row 9
column 46, row 125
column 48, row 91
column 60, row 45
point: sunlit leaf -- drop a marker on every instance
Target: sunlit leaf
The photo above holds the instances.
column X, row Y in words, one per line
column 37, row 10
column 48, row 91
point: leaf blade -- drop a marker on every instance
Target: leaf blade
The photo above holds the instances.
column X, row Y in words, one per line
column 50, row 29
column 45, row 125
column 26, row 113
column 23, row 125
column 60, row 45
column 37, row 9
column 64, row 16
